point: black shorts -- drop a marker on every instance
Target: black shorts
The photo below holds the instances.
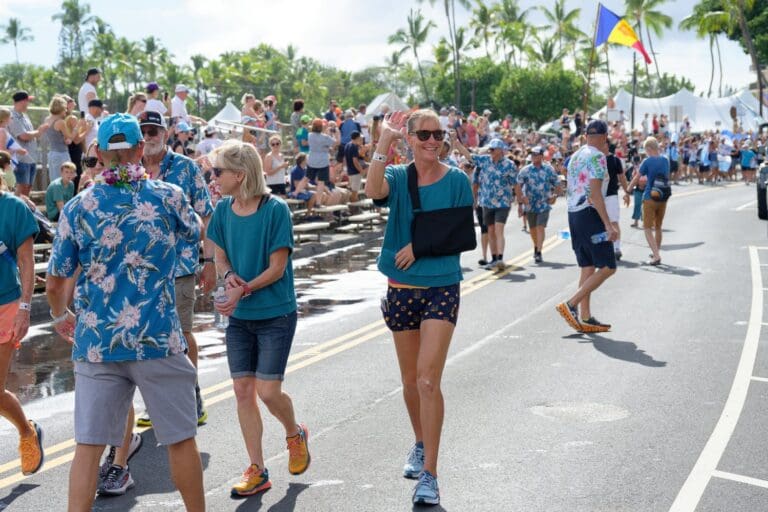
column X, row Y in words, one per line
column 315, row 174
column 703, row 169
column 405, row 308
column 279, row 190
column 481, row 220
column 340, row 153
column 673, row 166
column 583, row 225
column 686, row 159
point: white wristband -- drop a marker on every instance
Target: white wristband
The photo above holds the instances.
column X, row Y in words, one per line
column 24, row 306
column 58, row 319
column 378, row 157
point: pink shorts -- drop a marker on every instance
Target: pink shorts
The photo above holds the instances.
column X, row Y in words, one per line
column 7, row 318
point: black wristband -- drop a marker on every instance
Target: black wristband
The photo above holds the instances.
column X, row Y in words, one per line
column 226, row 274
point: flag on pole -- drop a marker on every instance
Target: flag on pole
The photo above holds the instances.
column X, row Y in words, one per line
column 613, row 29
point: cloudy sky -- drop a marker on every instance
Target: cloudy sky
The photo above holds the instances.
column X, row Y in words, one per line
column 350, row 34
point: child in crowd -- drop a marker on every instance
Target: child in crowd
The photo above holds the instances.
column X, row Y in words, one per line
column 60, row 191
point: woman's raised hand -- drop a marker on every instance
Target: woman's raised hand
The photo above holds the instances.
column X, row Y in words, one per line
column 393, row 125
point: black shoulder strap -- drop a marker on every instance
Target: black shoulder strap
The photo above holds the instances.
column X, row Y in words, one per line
column 413, row 187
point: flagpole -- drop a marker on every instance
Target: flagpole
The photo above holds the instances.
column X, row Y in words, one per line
column 634, row 89
column 585, row 101
column 608, row 67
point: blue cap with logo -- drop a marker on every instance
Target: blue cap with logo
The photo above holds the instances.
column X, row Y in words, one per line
column 115, row 125
column 182, row 127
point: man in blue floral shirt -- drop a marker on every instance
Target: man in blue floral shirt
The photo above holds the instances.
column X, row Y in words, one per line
column 123, row 233
column 165, row 165
column 494, row 186
column 537, row 188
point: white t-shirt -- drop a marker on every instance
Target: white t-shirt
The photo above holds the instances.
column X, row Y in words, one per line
column 179, row 109
column 360, row 119
column 82, row 99
column 94, row 131
column 444, row 122
column 279, row 177
column 205, row 146
column 155, row 105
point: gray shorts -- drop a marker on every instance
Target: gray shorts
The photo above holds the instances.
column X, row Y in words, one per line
column 537, row 219
column 495, row 215
column 185, row 301
column 104, row 392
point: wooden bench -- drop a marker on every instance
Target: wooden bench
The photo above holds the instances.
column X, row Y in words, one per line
column 363, row 204
column 313, row 228
column 364, row 220
column 332, row 209
column 294, row 204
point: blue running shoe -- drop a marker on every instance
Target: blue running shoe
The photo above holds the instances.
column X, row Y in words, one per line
column 415, row 461
column 426, row 491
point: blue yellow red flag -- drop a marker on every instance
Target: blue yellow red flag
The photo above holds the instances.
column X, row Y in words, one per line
column 614, row 29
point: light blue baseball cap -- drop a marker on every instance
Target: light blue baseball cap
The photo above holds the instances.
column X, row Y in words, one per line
column 497, row 144
column 119, row 124
column 182, row 126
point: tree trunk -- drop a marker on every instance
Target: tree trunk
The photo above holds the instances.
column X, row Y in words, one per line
column 720, row 64
column 712, row 60
column 452, row 24
column 752, row 53
column 16, row 49
column 647, row 72
column 421, row 74
column 608, row 69
column 650, row 45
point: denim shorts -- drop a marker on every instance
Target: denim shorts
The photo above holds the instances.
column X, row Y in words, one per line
column 25, row 173
column 405, row 308
column 260, row 348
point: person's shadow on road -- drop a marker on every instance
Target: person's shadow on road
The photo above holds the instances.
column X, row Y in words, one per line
column 431, row 508
column 16, row 492
column 623, row 350
column 286, row 504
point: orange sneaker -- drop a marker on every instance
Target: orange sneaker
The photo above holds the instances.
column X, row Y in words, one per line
column 31, row 450
column 254, row 480
column 298, row 451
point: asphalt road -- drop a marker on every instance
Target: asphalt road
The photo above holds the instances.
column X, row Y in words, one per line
column 666, row 408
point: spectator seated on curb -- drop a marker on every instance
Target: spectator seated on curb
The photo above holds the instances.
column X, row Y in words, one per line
column 60, row 191
column 300, row 183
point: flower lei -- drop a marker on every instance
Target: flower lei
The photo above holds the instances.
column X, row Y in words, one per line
column 123, row 175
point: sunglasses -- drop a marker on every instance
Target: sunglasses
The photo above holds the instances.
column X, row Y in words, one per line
column 90, row 161
column 217, row 171
column 151, row 131
column 423, row 135
column 275, row 144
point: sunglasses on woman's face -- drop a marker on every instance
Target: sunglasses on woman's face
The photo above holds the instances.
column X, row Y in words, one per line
column 218, row 171
column 423, row 135
column 275, row 144
column 90, row 161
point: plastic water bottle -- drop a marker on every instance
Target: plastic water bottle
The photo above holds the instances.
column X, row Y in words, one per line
column 564, row 234
column 219, row 297
column 5, row 254
column 599, row 237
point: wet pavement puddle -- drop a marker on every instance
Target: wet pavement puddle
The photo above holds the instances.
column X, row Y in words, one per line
column 333, row 285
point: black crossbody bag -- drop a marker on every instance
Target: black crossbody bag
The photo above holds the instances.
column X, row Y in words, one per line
column 443, row 232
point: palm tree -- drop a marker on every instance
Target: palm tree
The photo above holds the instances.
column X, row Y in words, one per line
column 450, row 15
column 392, row 67
column 544, row 51
column 150, row 46
column 563, row 22
column 413, row 38
column 75, row 20
column 708, row 24
column 736, row 10
column 15, row 34
column 644, row 11
column 482, row 24
column 510, row 23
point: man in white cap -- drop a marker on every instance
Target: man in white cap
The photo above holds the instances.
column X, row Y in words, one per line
column 179, row 107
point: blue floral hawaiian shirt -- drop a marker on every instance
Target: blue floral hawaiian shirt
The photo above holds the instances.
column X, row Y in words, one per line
column 496, row 180
column 125, row 241
column 184, row 172
column 538, row 184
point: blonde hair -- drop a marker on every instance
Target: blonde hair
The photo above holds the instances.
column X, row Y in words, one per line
column 58, row 105
column 418, row 116
column 247, row 96
column 275, row 138
column 69, row 165
column 4, row 115
column 651, row 143
column 240, row 156
column 133, row 99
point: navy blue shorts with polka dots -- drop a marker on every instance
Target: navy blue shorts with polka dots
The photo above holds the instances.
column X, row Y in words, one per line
column 405, row 308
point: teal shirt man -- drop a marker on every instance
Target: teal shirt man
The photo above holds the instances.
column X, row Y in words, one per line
column 268, row 230
column 57, row 192
column 451, row 191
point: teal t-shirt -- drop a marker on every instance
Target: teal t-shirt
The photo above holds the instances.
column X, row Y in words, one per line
column 451, row 191
column 248, row 242
column 17, row 224
column 57, row 192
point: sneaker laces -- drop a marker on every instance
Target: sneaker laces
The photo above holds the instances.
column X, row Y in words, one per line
column 251, row 471
column 426, row 478
column 113, row 474
column 416, row 455
column 295, row 445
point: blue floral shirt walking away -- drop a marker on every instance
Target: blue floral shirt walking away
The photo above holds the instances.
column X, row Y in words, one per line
column 125, row 241
column 185, row 173
column 496, row 181
column 538, row 185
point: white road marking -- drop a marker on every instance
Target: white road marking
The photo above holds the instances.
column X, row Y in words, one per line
column 759, row 379
column 740, row 478
column 746, row 205
column 690, row 494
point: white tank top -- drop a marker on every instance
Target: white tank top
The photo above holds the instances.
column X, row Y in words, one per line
column 279, row 177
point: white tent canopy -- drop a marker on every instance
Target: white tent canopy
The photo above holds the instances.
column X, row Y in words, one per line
column 229, row 113
column 388, row 98
column 703, row 113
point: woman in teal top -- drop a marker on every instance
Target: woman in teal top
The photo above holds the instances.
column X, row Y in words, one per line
column 253, row 235
column 422, row 303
